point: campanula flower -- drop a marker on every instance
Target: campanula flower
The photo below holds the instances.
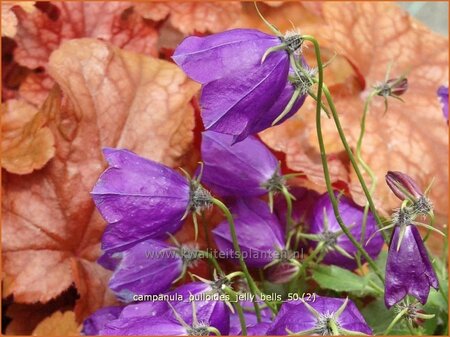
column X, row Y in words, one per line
column 252, row 216
column 325, row 228
column 95, row 322
column 324, row 316
column 142, row 199
column 246, row 169
column 150, row 267
column 245, row 79
column 301, row 207
column 214, row 312
column 408, row 268
column 443, row 98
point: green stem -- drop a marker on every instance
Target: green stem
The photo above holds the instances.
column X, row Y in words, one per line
column 240, row 311
column 212, row 259
column 287, row 196
column 395, row 320
column 253, row 288
column 208, row 243
column 351, row 156
column 323, row 156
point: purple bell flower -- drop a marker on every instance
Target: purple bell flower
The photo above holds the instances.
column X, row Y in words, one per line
column 325, row 228
column 301, row 207
column 324, row 316
column 95, row 322
column 145, row 326
column 150, row 267
column 443, row 98
column 244, row 74
column 408, row 267
column 147, row 309
column 246, row 169
column 141, row 199
column 212, row 310
column 252, row 216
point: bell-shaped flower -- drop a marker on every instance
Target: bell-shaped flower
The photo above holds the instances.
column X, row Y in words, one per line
column 142, row 199
column 150, row 267
column 408, row 267
column 325, row 230
column 323, row 316
column 252, row 216
column 245, row 78
column 246, row 169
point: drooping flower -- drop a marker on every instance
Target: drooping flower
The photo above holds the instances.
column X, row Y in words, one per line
column 96, row 322
column 150, row 267
column 245, row 78
column 325, row 228
column 258, row 231
column 443, row 98
column 246, row 169
column 142, row 199
column 324, row 316
column 408, row 267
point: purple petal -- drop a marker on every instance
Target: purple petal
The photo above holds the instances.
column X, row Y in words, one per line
column 353, row 216
column 443, row 98
column 233, row 103
column 214, row 313
column 150, row 267
column 147, row 309
column 301, row 207
column 252, row 216
column 139, row 198
column 394, row 179
column 250, row 319
column 408, row 270
column 236, row 170
column 208, row 58
column 265, row 119
column 94, row 323
column 288, row 317
column 259, row 329
column 144, row 326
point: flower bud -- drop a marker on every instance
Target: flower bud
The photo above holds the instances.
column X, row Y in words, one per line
column 393, row 87
column 403, row 186
column 443, row 98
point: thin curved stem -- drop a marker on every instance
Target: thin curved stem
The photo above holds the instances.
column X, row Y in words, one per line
column 323, row 156
column 240, row 311
column 251, row 283
column 349, row 151
column 212, row 259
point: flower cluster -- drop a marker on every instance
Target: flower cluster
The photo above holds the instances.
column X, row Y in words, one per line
column 250, row 81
